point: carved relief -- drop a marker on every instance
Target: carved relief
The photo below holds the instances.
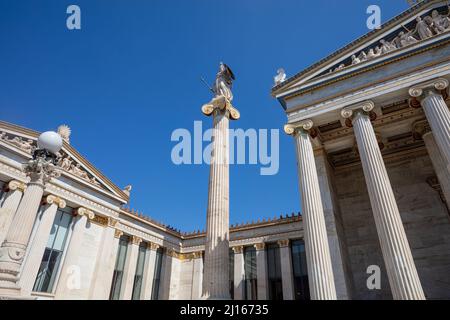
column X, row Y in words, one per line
column 27, row 145
column 68, row 164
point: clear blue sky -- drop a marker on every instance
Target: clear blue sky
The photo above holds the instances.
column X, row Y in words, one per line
column 130, row 76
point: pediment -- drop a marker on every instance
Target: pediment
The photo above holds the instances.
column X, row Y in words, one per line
column 400, row 34
column 72, row 165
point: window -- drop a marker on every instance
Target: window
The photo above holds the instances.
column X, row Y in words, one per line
column 274, row 272
column 138, row 276
column 118, row 269
column 157, row 274
column 231, row 272
column 53, row 253
column 299, row 266
column 250, row 284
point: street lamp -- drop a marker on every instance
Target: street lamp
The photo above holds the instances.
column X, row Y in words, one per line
column 48, row 145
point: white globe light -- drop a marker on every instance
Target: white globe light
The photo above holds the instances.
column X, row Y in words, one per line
column 50, row 141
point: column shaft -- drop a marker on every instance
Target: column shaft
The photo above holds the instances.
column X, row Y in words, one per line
column 197, row 278
column 440, row 165
column 215, row 284
column 402, row 273
column 438, row 115
column 149, row 274
column 287, row 273
column 129, row 271
column 320, row 272
column 262, row 280
column 8, row 210
column 239, row 274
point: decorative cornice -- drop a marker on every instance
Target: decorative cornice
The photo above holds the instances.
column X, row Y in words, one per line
column 118, row 233
column 81, row 211
column 223, row 104
column 100, row 220
column 238, row 249
column 283, row 243
column 52, row 199
column 260, row 246
column 136, row 240
column 16, row 185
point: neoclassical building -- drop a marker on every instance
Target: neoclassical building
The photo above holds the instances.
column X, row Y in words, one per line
column 371, row 130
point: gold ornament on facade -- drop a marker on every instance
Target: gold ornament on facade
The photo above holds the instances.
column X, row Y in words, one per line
column 223, row 104
column 260, row 246
column 238, row 249
column 153, row 246
column 16, row 185
column 52, row 199
column 81, row 211
column 136, row 240
column 118, row 233
column 283, row 243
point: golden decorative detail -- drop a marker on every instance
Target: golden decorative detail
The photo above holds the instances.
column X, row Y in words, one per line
column 198, row 254
column 100, row 220
column 136, row 240
column 16, row 185
column 223, row 104
column 283, row 243
column 118, row 233
column 153, row 246
column 238, row 249
column 52, row 199
column 81, row 211
column 112, row 222
column 260, row 246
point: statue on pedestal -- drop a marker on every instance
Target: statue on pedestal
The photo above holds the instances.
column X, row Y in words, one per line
column 224, row 82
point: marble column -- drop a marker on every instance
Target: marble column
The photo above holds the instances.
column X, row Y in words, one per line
column 106, row 261
column 197, row 277
column 215, row 282
column 403, row 278
column 39, row 243
column 430, row 94
column 422, row 129
column 335, row 230
column 149, row 271
column 262, row 278
column 70, row 265
column 130, row 268
column 287, row 273
column 320, row 271
column 14, row 191
column 13, row 249
column 239, row 273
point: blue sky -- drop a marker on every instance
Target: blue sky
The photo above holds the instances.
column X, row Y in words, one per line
column 130, row 77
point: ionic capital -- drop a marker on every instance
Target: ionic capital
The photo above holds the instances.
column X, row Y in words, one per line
column 52, row 199
column 223, row 104
column 153, row 246
column 283, row 243
column 365, row 107
column 420, row 128
column 305, row 126
column 260, row 246
column 238, row 249
column 16, row 185
column 433, row 86
column 118, row 233
column 136, row 240
column 198, row 254
column 112, row 222
column 81, row 211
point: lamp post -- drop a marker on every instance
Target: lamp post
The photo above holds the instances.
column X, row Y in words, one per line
column 40, row 170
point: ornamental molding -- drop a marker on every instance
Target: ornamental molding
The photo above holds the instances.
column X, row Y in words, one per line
column 100, row 220
column 153, row 246
column 283, row 243
column 223, row 104
column 136, row 240
column 16, row 185
column 260, row 246
column 118, row 233
column 52, row 199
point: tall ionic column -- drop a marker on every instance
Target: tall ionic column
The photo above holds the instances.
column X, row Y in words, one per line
column 401, row 270
column 215, row 282
column 320, row 271
column 14, row 191
column 431, row 95
column 39, row 242
column 422, row 129
column 12, row 250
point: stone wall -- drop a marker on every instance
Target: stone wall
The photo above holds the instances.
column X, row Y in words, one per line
column 425, row 218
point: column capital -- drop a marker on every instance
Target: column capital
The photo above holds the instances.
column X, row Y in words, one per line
column 438, row 85
column 365, row 107
column 81, row 211
column 223, row 104
column 118, row 233
column 52, row 199
column 306, row 126
column 238, row 249
column 16, row 185
column 153, row 246
column 260, row 246
column 283, row 243
column 112, row 222
column 198, row 254
column 136, row 240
